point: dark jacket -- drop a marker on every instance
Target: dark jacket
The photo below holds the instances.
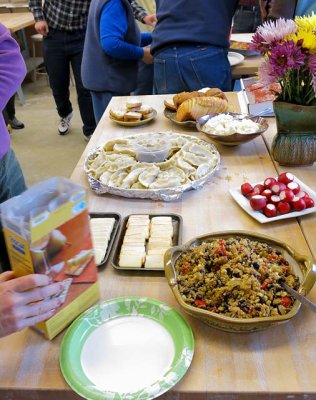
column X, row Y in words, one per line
column 193, row 22
column 99, row 71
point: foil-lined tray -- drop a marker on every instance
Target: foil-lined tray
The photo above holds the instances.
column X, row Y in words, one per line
column 163, row 194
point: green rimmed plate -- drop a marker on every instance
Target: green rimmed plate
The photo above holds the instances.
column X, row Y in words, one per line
column 126, row 348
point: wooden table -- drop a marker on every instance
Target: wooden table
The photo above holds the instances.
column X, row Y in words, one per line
column 17, row 21
column 273, row 364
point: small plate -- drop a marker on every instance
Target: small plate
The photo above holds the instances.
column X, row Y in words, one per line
column 235, row 58
column 176, row 240
column 126, row 348
column 172, row 116
column 138, row 123
column 244, row 203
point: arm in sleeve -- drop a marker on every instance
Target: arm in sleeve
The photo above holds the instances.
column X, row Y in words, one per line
column 113, row 27
column 12, row 66
column 138, row 11
column 146, row 38
column 35, row 6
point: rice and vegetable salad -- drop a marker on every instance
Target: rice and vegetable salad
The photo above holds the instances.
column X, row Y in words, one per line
column 236, row 277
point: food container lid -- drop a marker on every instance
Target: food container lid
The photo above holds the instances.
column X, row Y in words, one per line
column 152, row 150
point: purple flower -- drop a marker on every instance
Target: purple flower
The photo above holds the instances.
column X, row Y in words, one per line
column 257, row 44
column 286, row 56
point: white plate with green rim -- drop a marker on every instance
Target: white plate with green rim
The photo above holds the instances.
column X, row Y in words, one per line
column 126, row 348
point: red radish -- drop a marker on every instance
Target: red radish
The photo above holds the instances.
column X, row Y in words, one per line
column 258, row 188
column 246, row 188
column 302, row 194
column 286, row 177
column 286, row 195
column 258, row 202
column 277, row 187
column 294, row 186
column 269, row 182
column 283, row 207
column 270, row 210
column 267, row 193
column 309, row 202
column 250, row 195
column 274, row 199
column 298, row 204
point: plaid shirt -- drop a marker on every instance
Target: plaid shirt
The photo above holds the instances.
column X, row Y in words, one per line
column 138, row 11
column 70, row 15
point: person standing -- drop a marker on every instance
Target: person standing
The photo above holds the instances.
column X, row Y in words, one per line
column 190, row 45
column 247, row 17
column 275, row 9
column 9, row 115
column 29, row 299
column 63, row 24
column 112, row 48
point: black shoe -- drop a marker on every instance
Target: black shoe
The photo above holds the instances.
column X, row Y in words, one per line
column 16, row 124
column 87, row 137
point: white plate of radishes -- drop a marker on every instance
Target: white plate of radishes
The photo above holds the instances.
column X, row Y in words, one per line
column 275, row 198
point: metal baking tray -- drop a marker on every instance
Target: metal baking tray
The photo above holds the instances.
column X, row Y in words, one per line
column 176, row 240
column 113, row 235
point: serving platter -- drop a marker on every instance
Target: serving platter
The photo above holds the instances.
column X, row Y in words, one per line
column 126, row 348
column 176, row 240
column 242, row 48
column 113, row 234
column 136, row 123
column 243, row 202
column 190, row 163
column 301, row 265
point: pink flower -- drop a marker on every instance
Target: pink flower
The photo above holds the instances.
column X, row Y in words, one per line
column 312, row 63
column 314, row 83
column 275, row 31
column 266, row 73
column 286, row 56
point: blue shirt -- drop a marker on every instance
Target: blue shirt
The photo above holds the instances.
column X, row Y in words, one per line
column 113, row 28
column 305, row 7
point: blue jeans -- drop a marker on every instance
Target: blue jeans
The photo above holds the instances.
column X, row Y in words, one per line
column 188, row 68
column 60, row 50
column 101, row 100
column 11, row 184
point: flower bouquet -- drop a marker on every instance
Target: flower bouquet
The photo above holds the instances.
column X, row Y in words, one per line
column 289, row 50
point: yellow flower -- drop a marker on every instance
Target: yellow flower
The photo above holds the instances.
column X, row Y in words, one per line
column 306, row 30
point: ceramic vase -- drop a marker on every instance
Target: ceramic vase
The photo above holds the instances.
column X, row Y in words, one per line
column 295, row 141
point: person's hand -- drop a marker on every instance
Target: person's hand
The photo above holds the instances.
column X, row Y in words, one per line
column 150, row 20
column 147, row 57
column 25, row 301
column 41, row 27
